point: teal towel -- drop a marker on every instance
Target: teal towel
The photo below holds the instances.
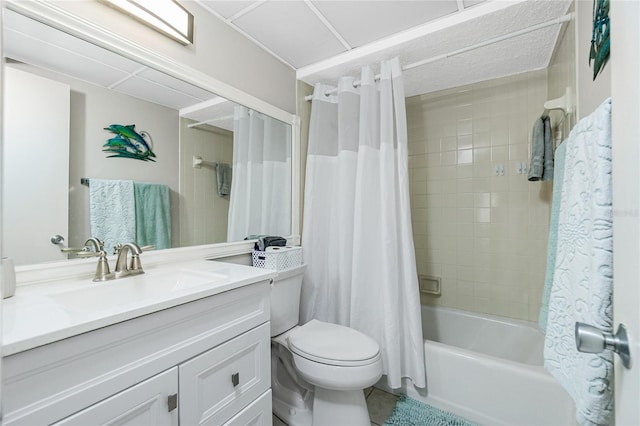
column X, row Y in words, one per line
column 223, row 174
column 153, row 215
column 553, row 234
column 112, row 212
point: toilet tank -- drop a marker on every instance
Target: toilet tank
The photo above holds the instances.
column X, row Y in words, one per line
column 285, row 299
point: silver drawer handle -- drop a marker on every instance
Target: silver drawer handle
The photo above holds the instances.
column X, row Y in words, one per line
column 590, row 339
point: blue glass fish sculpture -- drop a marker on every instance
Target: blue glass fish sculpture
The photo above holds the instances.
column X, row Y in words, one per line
column 128, row 143
column 601, row 36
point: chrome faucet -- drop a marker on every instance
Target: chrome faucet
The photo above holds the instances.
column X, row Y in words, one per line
column 102, row 269
column 96, row 243
column 92, row 242
column 135, row 267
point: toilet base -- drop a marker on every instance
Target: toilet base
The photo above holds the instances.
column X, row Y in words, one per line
column 291, row 414
column 338, row 408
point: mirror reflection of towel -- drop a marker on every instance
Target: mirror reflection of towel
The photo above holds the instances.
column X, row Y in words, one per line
column 112, row 211
column 153, row 215
column 223, row 174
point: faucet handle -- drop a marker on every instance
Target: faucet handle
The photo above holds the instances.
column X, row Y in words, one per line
column 135, row 266
column 76, row 250
column 84, row 253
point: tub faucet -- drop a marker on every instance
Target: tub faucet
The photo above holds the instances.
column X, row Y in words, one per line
column 135, row 267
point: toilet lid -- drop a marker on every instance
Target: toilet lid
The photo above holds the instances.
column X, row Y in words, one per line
column 333, row 344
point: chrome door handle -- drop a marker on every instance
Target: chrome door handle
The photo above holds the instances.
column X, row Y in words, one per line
column 590, row 339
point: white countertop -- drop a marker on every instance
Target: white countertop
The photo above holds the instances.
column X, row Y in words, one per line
column 44, row 313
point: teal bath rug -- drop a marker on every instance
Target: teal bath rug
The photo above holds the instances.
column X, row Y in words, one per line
column 409, row 412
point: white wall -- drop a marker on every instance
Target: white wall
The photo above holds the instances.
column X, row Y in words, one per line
column 590, row 93
column 218, row 50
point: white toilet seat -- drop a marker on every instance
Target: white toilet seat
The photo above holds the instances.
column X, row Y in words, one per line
column 334, row 357
column 333, row 344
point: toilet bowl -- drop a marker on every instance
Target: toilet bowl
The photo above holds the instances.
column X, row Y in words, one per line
column 319, row 370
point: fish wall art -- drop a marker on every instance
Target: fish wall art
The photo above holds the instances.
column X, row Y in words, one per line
column 127, row 143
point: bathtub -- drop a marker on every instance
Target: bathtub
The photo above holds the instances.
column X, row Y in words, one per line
column 489, row 370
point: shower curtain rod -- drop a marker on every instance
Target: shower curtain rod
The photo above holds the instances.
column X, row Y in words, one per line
column 556, row 21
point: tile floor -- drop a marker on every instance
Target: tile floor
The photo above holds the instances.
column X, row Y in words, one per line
column 379, row 403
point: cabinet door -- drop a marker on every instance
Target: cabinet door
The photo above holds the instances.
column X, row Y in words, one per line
column 221, row 382
column 143, row 404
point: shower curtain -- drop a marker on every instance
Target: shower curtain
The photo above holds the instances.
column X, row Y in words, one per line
column 357, row 236
column 260, row 199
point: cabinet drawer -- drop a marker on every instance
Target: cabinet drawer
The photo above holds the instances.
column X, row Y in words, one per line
column 216, row 385
column 143, row 404
column 258, row 413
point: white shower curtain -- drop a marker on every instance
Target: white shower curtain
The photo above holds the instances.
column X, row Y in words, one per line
column 260, row 199
column 357, row 236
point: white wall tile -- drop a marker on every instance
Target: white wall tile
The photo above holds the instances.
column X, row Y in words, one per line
column 485, row 235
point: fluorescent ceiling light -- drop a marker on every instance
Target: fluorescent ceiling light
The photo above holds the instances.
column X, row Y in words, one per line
column 166, row 16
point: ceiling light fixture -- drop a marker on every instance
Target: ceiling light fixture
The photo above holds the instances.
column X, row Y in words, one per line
column 165, row 16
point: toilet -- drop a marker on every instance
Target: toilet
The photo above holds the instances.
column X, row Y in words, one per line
column 318, row 370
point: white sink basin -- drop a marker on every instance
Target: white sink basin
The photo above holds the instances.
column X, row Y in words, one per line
column 130, row 291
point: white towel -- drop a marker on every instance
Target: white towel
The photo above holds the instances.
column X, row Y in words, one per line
column 112, row 212
column 583, row 278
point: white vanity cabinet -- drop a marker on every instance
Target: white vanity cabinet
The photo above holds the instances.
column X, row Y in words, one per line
column 201, row 362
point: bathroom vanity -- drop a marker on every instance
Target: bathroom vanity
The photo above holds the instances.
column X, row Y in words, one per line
column 185, row 343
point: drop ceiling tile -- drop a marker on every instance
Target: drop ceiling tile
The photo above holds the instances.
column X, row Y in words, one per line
column 28, row 50
column 291, row 30
column 219, row 115
column 154, row 92
column 226, row 8
column 363, row 22
column 176, row 84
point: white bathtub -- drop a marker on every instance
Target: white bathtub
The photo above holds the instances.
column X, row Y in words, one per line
column 489, row 370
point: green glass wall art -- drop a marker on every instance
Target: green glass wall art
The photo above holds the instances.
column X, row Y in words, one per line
column 600, row 39
column 127, row 143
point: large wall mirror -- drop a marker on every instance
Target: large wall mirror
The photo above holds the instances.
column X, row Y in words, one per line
column 227, row 167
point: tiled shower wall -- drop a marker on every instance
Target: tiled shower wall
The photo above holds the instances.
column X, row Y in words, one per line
column 484, row 234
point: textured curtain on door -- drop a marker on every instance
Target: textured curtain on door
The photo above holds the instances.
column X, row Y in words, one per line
column 260, row 199
column 357, row 234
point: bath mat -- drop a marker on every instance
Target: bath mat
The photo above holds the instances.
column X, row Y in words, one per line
column 409, row 412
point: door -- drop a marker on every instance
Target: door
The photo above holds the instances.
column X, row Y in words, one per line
column 35, row 137
column 146, row 403
column 625, row 95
